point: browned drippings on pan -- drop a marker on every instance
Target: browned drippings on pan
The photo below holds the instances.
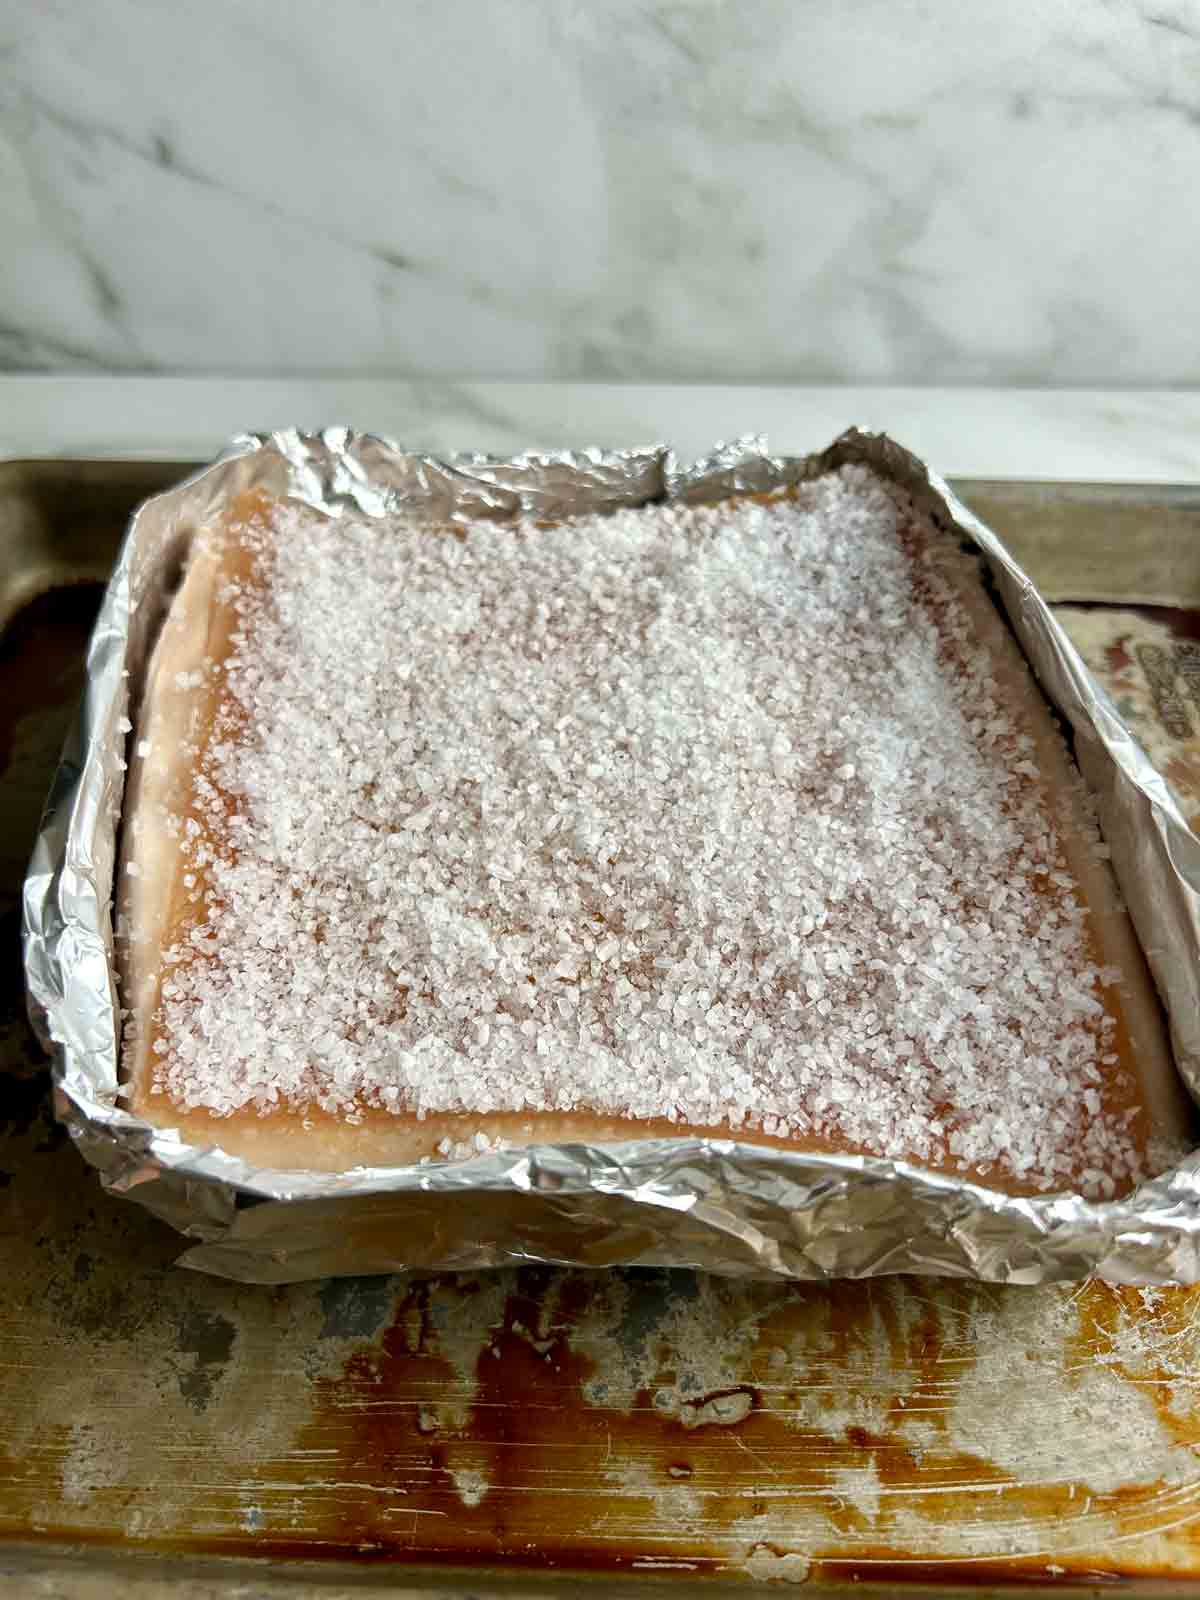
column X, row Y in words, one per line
column 637, row 1422
column 660, row 1424
column 694, row 1466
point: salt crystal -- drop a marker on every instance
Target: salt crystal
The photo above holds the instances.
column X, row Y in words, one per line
column 797, row 890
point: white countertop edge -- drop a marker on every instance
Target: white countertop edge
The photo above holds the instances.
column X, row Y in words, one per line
column 1138, row 436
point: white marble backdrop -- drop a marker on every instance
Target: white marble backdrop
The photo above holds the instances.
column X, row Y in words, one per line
column 772, row 190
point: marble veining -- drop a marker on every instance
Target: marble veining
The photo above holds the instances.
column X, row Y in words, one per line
column 884, row 191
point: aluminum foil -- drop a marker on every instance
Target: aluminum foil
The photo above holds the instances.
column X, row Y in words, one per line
column 709, row 1203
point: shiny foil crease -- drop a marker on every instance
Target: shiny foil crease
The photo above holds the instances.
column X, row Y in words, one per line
column 707, row 1203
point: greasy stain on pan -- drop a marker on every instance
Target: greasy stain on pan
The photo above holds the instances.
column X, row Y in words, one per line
column 660, row 1428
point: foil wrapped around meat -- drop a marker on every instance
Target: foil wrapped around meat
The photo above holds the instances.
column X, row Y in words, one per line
column 716, row 1204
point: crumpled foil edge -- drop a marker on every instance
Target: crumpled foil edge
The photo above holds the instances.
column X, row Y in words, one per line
column 714, row 1204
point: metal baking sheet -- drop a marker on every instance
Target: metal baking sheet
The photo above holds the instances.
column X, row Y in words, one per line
column 163, row 1432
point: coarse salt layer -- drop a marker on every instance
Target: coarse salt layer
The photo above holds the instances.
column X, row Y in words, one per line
column 709, row 814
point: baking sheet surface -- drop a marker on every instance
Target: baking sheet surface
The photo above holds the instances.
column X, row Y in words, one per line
column 641, row 1423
